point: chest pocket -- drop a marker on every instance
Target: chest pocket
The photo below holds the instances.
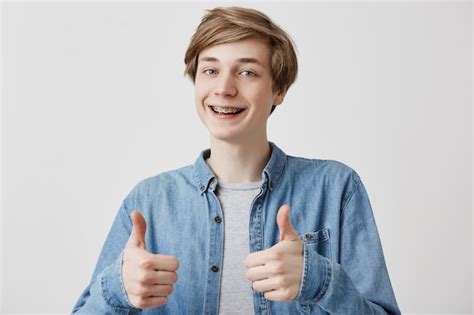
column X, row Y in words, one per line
column 319, row 241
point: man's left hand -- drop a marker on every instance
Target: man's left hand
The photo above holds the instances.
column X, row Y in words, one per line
column 277, row 271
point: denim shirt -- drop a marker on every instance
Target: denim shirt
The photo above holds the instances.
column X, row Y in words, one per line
column 344, row 270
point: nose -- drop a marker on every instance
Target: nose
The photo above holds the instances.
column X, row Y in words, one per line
column 225, row 85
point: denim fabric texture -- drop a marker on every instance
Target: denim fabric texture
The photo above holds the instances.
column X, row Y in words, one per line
column 344, row 266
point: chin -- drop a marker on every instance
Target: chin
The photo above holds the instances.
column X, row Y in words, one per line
column 225, row 135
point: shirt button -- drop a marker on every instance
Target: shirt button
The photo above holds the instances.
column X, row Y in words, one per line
column 214, row 268
column 218, row 219
column 308, row 236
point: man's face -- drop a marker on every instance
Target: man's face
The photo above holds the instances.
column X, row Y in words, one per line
column 235, row 76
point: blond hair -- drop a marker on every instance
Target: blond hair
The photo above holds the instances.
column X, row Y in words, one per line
column 229, row 24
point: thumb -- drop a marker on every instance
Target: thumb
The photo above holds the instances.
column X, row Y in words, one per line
column 137, row 237
column 287, row 232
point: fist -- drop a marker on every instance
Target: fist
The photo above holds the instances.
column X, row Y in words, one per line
column 277, row 271
column 148, row 278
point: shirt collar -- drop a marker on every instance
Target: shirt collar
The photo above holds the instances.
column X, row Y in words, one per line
column 271, row 173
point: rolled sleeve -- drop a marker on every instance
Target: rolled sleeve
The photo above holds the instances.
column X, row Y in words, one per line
column 316, row 276
column 112, row 285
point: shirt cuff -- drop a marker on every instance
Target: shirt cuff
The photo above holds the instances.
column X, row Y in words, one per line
column 316, row 276
column 112, row 285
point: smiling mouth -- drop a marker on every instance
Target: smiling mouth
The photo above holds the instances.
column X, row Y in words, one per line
column 226, row 110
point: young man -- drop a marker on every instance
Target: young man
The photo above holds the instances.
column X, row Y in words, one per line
column 246, row 228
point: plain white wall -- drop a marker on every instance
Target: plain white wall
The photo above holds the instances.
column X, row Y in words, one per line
column 94, row 100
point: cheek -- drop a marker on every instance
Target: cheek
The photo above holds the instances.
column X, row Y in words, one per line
column 200, row 91
column 198, row 97
column 262, row 100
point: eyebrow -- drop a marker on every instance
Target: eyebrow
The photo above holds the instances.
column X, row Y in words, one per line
column 240, row 60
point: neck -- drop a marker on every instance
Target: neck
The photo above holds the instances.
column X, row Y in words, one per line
column 239, row 162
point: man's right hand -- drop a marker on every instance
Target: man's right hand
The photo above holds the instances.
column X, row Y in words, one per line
column 148, row 278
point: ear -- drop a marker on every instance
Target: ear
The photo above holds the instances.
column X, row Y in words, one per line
column 279, row 97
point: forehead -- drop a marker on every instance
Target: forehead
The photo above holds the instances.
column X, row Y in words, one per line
column 250, row 50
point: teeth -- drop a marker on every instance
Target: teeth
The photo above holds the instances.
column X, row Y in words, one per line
column 226, row 110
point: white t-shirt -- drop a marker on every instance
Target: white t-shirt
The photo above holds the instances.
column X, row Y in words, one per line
column 236, row 290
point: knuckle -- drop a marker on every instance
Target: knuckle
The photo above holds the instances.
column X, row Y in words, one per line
column 143, row 278
column 275, row 255
column 277, row 268
column 284, row 282
column 280, row 282
column 288, row 295
column 135, row 289
column 141, row 291
column 145, row 263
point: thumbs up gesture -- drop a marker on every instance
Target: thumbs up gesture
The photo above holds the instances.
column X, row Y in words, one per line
column 148, row 278
column 277, row 271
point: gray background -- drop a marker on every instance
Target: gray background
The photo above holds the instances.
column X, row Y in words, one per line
column 94, row 100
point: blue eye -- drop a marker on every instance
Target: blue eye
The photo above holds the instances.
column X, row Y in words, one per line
column 251, row 73
column 207, row 71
